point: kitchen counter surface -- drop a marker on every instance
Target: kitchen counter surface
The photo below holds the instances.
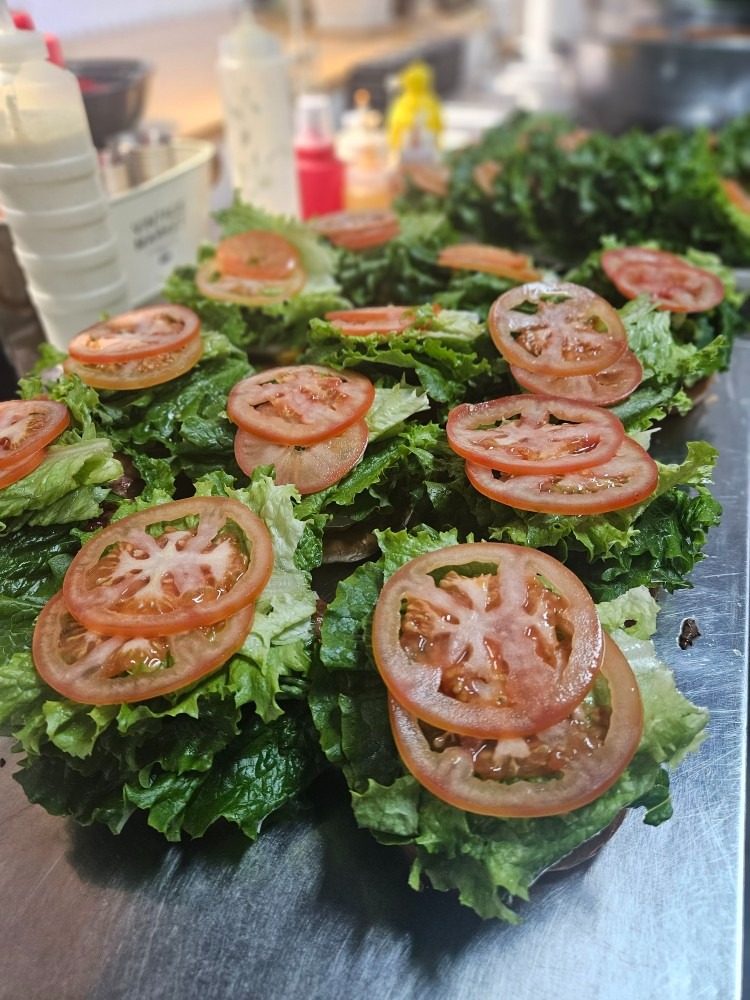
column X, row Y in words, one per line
column 184, row 89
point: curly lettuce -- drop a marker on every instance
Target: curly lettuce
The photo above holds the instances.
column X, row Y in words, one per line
column 491, row 862
column 238, row 744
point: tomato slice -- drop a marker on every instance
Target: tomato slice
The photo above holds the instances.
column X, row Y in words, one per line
column 490, row 260
column 629, row 477
column 358, row 230
column 299, row 404
column 171, row 568
column 251, row 292
column 372, row 319
column 485, row 174
column 607, row 387
column 671, row 282
column 487, row 639
column 311, row 468
column 550, row 773
column 138, row 373
column 10, row 474
column 737, row 194
column 556, row 328
column 258, row 255
column 99, row 669
column 534, row 434
column 432, row 178
column 140, row 333
column 569, row 142
column 27, row 426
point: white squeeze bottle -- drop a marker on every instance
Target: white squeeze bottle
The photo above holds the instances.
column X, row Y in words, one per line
column 50, row 190
column 257, row 95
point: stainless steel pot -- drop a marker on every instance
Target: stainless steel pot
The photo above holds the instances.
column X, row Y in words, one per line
column 699, row 77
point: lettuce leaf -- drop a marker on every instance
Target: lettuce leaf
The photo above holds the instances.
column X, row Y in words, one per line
column 99, row 763
column 637, row 186
column 403, row 271
column 491, row 862
column 656, row 542
column 448, row 354
column 273, row 329
column 68, row 486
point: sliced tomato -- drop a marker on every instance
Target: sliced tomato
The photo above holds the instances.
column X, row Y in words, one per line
column 140, row 373
column 140, row 333
column 485, row 174
column 259, row 255
column 251, row 292
column 534, row 434
column 358, row 230
column 607, row 387
column 10, row 474
column 671, row 282
column 432, row 178
column 487, row 639
column 311, row 468
column 550, row 773
column 100, row 669
column 569, row 142
column 489, row 260
column 737, row 194
column 171, row 568
column 372, row 319
column 556, row 328
column 299, row 404
column 629, row 477
column 27, row 426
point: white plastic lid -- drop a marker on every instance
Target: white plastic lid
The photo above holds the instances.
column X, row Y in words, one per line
column 313, row 120
column 18, row 46
column 248, row 41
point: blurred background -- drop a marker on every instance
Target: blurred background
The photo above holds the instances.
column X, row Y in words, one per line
column 156, row 78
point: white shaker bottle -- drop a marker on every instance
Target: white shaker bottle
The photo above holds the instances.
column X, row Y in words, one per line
column 50, row 190
column 257, row 96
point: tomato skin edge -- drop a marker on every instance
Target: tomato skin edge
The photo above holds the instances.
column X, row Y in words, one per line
column 162, row 683
column 579, row 784
column 416, row 686
column 572, row 505
column 78, row 598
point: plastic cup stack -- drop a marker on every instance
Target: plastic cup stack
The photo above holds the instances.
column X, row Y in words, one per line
column 51, row 190
column 69, row 254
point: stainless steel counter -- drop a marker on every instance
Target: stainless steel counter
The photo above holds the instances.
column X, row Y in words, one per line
column 316, row 909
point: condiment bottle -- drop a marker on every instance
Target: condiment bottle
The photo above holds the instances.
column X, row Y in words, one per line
column 51, row 192
column 320, row 173
column 364, row 148
column 257, row 95
column 415, row 120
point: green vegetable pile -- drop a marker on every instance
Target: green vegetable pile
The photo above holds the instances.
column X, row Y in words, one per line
column 302, row 693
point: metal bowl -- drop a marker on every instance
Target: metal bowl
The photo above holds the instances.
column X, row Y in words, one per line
column 700, row 77
column 114, row 94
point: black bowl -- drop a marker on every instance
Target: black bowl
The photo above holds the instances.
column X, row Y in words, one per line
column 114, row 94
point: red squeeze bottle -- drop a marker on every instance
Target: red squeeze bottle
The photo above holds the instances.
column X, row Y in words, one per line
column 320, row 173
column 25, row 22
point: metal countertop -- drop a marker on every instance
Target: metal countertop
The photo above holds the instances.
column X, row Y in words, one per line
column 316, row 908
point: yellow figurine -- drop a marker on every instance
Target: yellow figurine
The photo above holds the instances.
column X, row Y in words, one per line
column 416, row 109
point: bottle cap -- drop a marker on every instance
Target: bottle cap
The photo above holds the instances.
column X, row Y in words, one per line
column 18, row 46
column 313, row 121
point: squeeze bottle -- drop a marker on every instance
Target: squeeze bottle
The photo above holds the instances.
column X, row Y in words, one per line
column 51, row 192
column 257, row 96
column 319, row 171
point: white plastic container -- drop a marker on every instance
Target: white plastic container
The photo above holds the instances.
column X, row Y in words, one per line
column 83, row 272
column 257, row 96
column 49, row 180
column 67, row 315
column 160, row 224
